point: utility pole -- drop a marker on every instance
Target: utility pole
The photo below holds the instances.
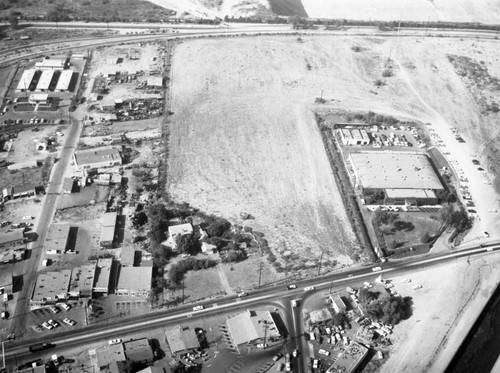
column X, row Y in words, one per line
column 183, row 290
column 260, row 270
column 320, row 262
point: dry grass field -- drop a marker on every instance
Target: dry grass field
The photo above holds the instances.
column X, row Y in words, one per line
column 244, row 138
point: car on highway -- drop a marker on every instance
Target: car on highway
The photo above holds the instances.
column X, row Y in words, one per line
column 315, row 364
column 28, row 217
column 69, row 321
column 114, row 341
column 262, row 345
column 309, row 288
column 198, row 308
column 291, row 287
column 295, row 353
column 278, row 356
column 376, row 269
column 242, row 294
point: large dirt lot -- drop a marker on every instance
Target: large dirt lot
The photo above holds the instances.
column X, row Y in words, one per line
column 244, row 139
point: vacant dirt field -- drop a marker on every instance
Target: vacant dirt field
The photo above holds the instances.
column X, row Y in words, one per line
column 244, row 139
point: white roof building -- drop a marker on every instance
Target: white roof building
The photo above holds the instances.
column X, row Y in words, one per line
column 44, row 82
column 25, row 81
column 51, row 64
column 177, row 230
column 64, row 81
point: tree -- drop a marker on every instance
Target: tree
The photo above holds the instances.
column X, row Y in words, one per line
column 216, row 227
column 188, row 244
column 14, row 19
column 339, row 319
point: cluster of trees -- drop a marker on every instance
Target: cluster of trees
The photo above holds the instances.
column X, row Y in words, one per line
column 456, row 218
column 384, row 307
column 178, row 270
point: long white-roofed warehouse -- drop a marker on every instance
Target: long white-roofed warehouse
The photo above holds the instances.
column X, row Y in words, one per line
column 45, row 80
column 25, row 81
column 404, row 177
column 64, row 81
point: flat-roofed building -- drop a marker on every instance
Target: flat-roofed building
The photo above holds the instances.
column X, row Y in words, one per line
column 64, row 81
column 45, row 80
column 350, row 359
column 134, row 281
column 51, row 287
column 138, row 351
column 68, row 185
column 97, row 158
column 107, row 105
column 25, row 81
column 102, row 276
column 403, row 177
column 107, row 356
column 337, row 303
column 38, row 98
column 57, row 238
column 12, row 239
column 12, row 255
column 353, row 137
column 82, row 281
column 25, row 190
column 128, row 256
column 108, row 224
column 155, row 81
column 252, row 326
column 6, row 283
column 321, row 315
column 51, row 64
column 181, row 339
column 175, row 231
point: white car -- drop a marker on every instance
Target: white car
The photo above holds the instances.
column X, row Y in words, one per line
column 114, row 341
column 55, row 324
column 242, row 294
column 69, row 321
column 60, row 134
column 376, row 269
column 262, row 345
column 198, row 308
column 47, row 326
column 309, row 288
column 65, row 306
column 416, row 287
column 28, row 217
column 54, row 309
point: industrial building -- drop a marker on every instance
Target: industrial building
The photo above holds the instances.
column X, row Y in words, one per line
column 337, row 303
column 12, row 255
column 58, row 239
column 51, row 64
column 134, row 281
column 155, row 82
column 181, row 339
column 321, row 315
column 82, row 281
column 252, row 326
column 139, row 351
column 25, row 81
column 97, row 158
column 108, row 224
column 64, row 81
column 404, row 177
column 102, row 276
column 352, row 137
column 350, row 359
column 6, row 283
column 38, row 98
column 51, row 287
column 45, row 80
column 9, row 240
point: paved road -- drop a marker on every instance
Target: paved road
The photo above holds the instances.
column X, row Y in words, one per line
column 49, row 202
column 18, row 351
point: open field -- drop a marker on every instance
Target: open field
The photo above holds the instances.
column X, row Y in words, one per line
column 244, row 139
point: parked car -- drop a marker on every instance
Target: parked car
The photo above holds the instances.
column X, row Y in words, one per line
column 28, row 217
column 54, row 323
column 46, row 325
column 69, row 321
column 65, row 306
column 262, row 345
column 54, row 309
column 278, row 356
column 114, row 341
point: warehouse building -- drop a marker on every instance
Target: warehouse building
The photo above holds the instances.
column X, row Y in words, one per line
column 64, row 81
column 349, row 359
column 9, row 240
column 6, row 283
column 97, row 158
column 138, row 351
column 252, row 327
column 25, row 81
column 82, row 281
column 51, row 287
column 155, row 82
column 181, row 340
column 51, row 64
column 45, row 80
column 404, row 178
column 59, row 239
column 134, row 281
column 352, row 137
column 337, row 303
column 102, row 276
column 108, row 224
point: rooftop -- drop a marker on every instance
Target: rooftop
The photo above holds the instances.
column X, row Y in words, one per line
column 18, row 189
column 12, row 255
column 181, row 229
column 155, row 81
column 109, row 219
column 51, row 285
column 135, row 278
column 82, row 278
column 57, row 237
column 26, row 78
column 102, row 274
column 11, row 237
column 394, row 170
column 410, row 193
column 45, row 79
column 181, row 339
column 323, row 314
column 349, row 359
column 64, row 80
column 59, row 63
column 107, row 355
column 138, row 350
column 97, row 155
column 250, row 325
